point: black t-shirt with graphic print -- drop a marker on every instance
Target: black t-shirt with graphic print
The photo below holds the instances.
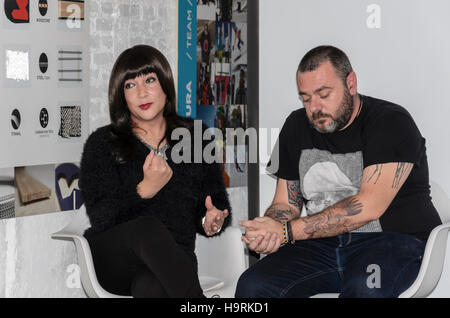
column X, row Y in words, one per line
column 330, row 166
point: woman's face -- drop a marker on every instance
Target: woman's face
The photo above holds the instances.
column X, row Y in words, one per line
column 145, row 98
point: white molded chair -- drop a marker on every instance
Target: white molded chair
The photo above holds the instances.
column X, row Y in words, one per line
column 434, row 255
column 221, row 259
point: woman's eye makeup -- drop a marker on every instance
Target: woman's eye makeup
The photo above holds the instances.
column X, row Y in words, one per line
column 129, row 85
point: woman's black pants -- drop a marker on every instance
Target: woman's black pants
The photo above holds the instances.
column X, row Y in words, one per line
column 141, row 258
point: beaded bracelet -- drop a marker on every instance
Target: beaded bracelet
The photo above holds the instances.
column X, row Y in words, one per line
column 285, row 233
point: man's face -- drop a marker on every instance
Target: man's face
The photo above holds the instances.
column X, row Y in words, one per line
column 327, row 100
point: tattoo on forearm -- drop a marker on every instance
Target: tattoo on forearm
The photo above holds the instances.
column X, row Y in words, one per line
column 334, row 220
column 280, row 213
column 294, row 196
column 403, row 169
column 376, row 173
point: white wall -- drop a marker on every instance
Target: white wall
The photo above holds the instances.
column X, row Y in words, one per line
column 405, row 61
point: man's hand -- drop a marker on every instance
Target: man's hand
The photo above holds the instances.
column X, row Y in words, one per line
column 263, row 235
column 214, row 217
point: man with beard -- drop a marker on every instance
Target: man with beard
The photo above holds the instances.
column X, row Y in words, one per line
column 357, row 166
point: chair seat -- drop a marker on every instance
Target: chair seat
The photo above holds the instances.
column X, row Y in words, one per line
column 210, row 283
column 221, row 259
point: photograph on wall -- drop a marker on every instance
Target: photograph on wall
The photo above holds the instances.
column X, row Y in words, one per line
column 205, row 92
column 221, row 75
column 223, row 41
column 207, row 114
column 71, row 14
column 222, row 78
column 224, row 11
column 206, row 9
column 220, row 122
column 70, row 121
column 239, row 45
column 35, row 190
column 16, row 14
column 236, row 149
column 7, row 193
column 16, row 66
column 240, row 10
column 239, row 85
column 70, row 67
column 205, row 41
column 68, row 191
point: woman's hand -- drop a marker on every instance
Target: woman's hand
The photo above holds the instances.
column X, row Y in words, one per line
column 157, row 174
column 214, row 217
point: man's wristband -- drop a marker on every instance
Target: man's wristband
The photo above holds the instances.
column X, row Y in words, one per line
column 287, row 233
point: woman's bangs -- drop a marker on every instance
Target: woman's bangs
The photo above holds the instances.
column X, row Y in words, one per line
column 132, row 73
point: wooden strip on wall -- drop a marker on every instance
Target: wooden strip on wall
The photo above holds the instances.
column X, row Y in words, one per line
column 29, row 188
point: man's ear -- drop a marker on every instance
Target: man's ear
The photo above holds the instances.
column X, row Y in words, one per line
column 352, row 83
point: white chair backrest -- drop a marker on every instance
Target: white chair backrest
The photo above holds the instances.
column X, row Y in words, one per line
column 80, row 222
column 441, row 201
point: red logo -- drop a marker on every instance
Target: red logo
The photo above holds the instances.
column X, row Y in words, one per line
column 17, row 11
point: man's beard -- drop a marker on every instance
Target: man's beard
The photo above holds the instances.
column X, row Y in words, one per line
column 342, row 118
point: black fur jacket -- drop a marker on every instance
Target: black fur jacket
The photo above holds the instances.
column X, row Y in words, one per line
column 109, row 190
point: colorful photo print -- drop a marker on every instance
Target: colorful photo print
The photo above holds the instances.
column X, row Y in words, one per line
column 206, row 9
column 220, row 122
column 221, row 75
column 35, row 190
column 240, row 10
column 239, row 85
column 16, row 14
column 236, row 166
column 17, row 11
column 224, row 10
column 239, row 46
column 68, row 191
column 205, row 93
column 207, row 114
column 236, row 149
column 7, row 193
column 237, row 118
column 205, row 41
column 224, row 34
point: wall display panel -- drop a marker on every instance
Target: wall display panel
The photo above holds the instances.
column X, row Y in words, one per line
column 44, row 84
column 218, row 82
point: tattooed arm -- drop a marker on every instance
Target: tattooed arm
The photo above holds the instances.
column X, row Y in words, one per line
column 379, row 186
column 286, row 206
column 287, row 203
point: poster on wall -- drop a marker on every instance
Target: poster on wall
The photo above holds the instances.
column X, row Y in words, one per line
column 44, row 84
column 219, row 95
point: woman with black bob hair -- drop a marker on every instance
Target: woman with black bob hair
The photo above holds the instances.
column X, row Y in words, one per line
column 144, row 208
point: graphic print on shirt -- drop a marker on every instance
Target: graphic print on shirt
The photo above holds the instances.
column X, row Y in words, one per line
column 327, row 178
